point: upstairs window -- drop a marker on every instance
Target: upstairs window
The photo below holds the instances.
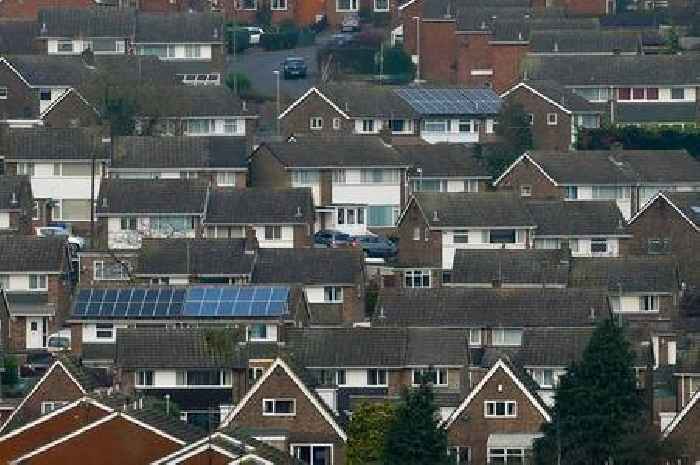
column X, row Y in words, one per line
column 45, row 94
column 658, row 246
column 128, row 224
column 336, row 124
column 144, row 378
column 278, row 5
column 227, row 178
column 624, row 93
column 381, row 5
column 279, row 407
column 376, row 377
column 257, row 332
column 475, row 337
column 104, row 331
column 649, row 303
column 346, row 5
column 65, row 46
column 461, row 237
column 599, row 246
column 417, row 278
column 333, row 294
column 502, row 236
column 500, row 409
column 507, row 337
column 678, row 93
column 3, row 92
column 109, row 271
column 254, row 373
column 273, row 233
column 37, row 282
column 25, row 169
column 316, row 123
column 436, row 376
column 248, row 4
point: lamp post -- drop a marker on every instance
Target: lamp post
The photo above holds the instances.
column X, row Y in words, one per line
column 417, row 19
column 277, row 76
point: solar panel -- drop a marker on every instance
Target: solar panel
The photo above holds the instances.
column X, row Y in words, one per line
column 451, row 101
column 235, row 301
column 129, row 303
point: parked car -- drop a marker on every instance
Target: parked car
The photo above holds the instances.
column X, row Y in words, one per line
column 341, row 39
column 76, row 242
column 254, row 34
column 376, row 246
column 350, row 23
column 331, row 238
column 59, row 341
column 294, row 67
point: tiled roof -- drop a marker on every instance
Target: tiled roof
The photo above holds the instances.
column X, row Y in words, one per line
column 48, row 70
column 56, row 144
column 476, row 308
column 357, row 100
column 180, row 152
column 552, row 347
column 309, row 266
column 30, row 253
column 688, row 203
column 484, row 209
column 655, row 112
column 169, row 424
column 13, row 190
column 260, row 206
column 627, row 274
column 562, row 218
column 87, row 22
column 133, row 196
column 191, row 101
column 17, row 36
column 530, row 266
column 444, row 160
column 584, row 41
column 194, row 256
column 179, row 28
column 561, row 95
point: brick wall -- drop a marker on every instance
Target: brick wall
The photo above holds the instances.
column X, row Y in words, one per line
column 302, row 235
column 21, row 102
column 418, row 252
column 297, row 120
column 292, row 13
column 687, row 432
column 30, row 8
column 87, row 268
column 72, row 111
column 525, row 173
column 266, row 171
column 544, row 136
column 76, row 340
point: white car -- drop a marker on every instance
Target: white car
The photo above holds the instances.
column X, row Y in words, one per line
column 254, row 34
column 76, row 242
column 59, row 341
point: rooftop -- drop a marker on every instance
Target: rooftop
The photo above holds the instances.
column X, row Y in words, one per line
column 260, row 206
column 530, row 266
column 152, row 196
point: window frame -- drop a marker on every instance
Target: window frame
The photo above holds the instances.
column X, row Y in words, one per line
column 598, row 242
column 311, row 447
column 101, row 277
column 336, row 124
column 4, row 92
column 525, row 190
column 552, row 119
column 678, row 89
column 254, row 338
column 506, row 404
column 502, row 341
column 50, row 406
column 440, row 380
column 254, row 374
column 229, row 178
column 273, row 233
column 462, row 234
column 475, row 342
column 278, row 7
column 353, row 5
column 334, row 292
column 414, row 274
column 381, row 10
column 375, row 375
column 40, row 283
column 142, row 378
column 274, row 401
column 316, row 123
column 649, row 303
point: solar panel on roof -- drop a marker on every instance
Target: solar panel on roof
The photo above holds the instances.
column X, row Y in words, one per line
column 129, row 302
column 451, row 101
column 235, row 301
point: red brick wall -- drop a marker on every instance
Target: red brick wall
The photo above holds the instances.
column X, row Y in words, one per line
column 475, row 52
column 421, row 252
column 87, row 268
column 525, row 173
column 207, row 457
column 30, row 8
column 266, row 171
column 72, row 111
column 687, row 432
column 438, row 51
column 21, row 102
column 292, row 13
column 297, row 120
column 544, row 136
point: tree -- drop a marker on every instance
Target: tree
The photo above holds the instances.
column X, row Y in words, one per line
column 414, row 436
column 238, row 83
column 514, row 128
column 599, row 414
column 673, row 41
column 367, row 433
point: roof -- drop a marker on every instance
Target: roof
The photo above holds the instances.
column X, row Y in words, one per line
column 529, row 266
column 56, row 144
column 15, row 192
column 450, row 101
column 478, row 308
column 260, row 206
column 17, row 36
column 156, row 196
column 483, row 209
column 621, row 70
column 552, row 347
column 182, row 101
column 347, row 151
column 309, row 266
column 194, row 257
column 590, row 218
column 688, row 203
column 628, row 274
column 444, row 160
column 357, row 100
column 29, row 304
column 655, row 112
column 557, row 95
column 179, row 152
column 584, row 41
column 179, row 28
column 86, row 22
column 49, row 70
column 32, row 254
column 377, row 347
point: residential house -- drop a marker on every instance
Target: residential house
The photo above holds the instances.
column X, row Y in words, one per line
column 276, row 218
column 376, row 11
column 129, row 210
column 98, row 266
column 357, row 182
column 283, row 411
column 221, row 160
column 683, row 428
column 630, row 177
column 36, row 288
column 656, row 90
column 333, row 280
column 498, row 421
column 16, row 205
column 557, row 115
column 435, row 224
column 407, row 114
column 669, row 223
column 249, row 11
column 29, row 9
column 445, row 168
column 579, row 7
column 587, row 229
column 65, row 168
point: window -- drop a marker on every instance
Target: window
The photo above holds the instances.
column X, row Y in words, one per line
column 381, row 5
column 254, row 373
column 398, row 125
column 73, row 169
column 128, row 224
column 571, row 192
column 649, row 303
column 544, row 377
column 436, row 376
column 531, row 118
column 507, row 337
column 231, row 126
column 193, row 51
column 461, row 237
column 25, row 169
column 465, row 125
column 500, row 408
column 37, row 282
column 104, row 331
column 3, row 92
column 65, row 46
column 301, row 178
column 316, row 123
column 599, row 246
column 416, row 233
column 248, row 4
column 678, row 94
column 624, row 94
column 144, row 378
column 199, row 126
column 346, row 5
column 593, row 94
column 332, row 294
column 273, row 233
column 446, row 277
column 471, row 185
column 52, row 405
column 525, row 190
column 502, row 236
column 610, row 192
column 44, row 94
column 506, row 456
column 109, row 272
column 382, row 215
column 379, row 176
column 638, row 93
column 551, row 119
column 417, row 278
column 203, row 378
column 474, row 337
column 376, row 377
column 367, row 125
column 652, row 93
column 278, row 5
column 227, row 178
column 658, row 246
column 279, row 407
column 436, row 126
column 339, row 177
column 460, row 455
column 336, row 124
column 330, row 377
column 429, row 185
column 313, row 454
column 588, row 121
column 257, row 332
column 71, row 210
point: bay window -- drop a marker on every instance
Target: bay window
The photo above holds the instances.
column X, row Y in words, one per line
column 436, row 376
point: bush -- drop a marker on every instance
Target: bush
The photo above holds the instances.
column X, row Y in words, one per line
column 307, row 37
column 279, row 40
column 397, row 61
column 381, row 19
column 370, row 38
column 357, row 60
column 288, row 25
column 10, row 377
column 239, row 83
column 237, row 40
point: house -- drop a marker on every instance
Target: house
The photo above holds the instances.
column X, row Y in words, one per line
column 129, row 210
column 36, row 289
column 409, row 114
column 642, row 89
column 630, row 177
column 249, row 11
column 29, row 9
column 587, row 229
column 276, row 218
column 683, row 428
column 357, row 182
column 104, row 267
column 347, row 366
column 282, row 411
column 557, row 115
column 65, row 168
column 333, row 280
column 376, row 11
column 669, row 223
column 221, row 160
column 436, row 224
column 16, row 205
column 445, row 168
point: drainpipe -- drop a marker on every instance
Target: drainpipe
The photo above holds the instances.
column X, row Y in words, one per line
column 417, row 19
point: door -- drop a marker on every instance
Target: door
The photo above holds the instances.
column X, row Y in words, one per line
column 36, row 333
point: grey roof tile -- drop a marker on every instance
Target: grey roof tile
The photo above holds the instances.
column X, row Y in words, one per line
column 157, row 196
column 191, row 101
column 200, row 257
column 309, row 266
column 357, row 100
column 260, row 206
column 584, row 41
column 56, row 144
column 444, row 160
column 529, row 266
column 179, row 28
column 589, row 218
column 30, row 253
column 87, row 22
column 626, row 274
column 688, row 203
column 17, row 36
column 563, row 96
column 180, row 152
column 484, row 209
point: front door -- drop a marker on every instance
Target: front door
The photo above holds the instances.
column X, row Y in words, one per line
column 36, row 333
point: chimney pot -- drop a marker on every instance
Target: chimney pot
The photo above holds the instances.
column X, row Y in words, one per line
column 13, row 200
column 435, row 216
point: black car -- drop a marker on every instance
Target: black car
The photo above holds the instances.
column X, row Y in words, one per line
column 331, row 238
column 377, row 246
column 294, row 67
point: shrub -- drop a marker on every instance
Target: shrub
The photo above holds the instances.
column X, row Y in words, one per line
column 288, row 25
column 239, row 83
column 397, row 61
column 10, row 376
column 279, row 40
column 237, row 40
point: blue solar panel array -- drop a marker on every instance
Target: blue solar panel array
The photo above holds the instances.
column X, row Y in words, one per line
column 451, row 101
column 197, row 301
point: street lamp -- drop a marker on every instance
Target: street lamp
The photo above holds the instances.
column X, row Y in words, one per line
column 417, row 19
column 277, row 76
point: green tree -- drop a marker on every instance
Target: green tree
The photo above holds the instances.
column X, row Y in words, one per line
column 414, row 436
column 514, row 128
column 397, row 62
column 673, row 41
column 367, row 433
column 238, row 83
column 10, row 377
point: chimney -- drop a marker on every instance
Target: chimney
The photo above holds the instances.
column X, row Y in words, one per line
column 436, row 218
column 13, row 199
column 244, row 105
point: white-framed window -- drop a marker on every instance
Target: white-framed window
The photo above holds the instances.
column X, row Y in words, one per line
column 3, row 92
column 677, row 93
column 71, row 210
column 367, row 126
column 25, row 169
column 417, row 278
column 416, row 233
column 377, row 377
column 545, row 377
column 226, row 178
column 611, row 192
column 316, row 123
column 36, row 215
column 531, row 118
column 109, row 272
column 474, row 337
column 658, row 245
column 37, row 282
column 127, row 223
column 203, row 378
column 49, row 406
column 380, row 176
column 525, row 190
column 313, row 454
column 460, row 455
column 346, row 5
column 333, row 294
column 303, row 178
column 506, row 456
column 279, row 407
column 429, row 185
column 382, row 215
column 197, row 127
column 381, row 5
column 248, row 4
column 507, row 337
column 465, row 125
column 339, row 176
column 571, row 192
column 436, row 125
column 278, row 5
column 471, row 185
column 144, row 378
column 599, row 246
column 460, row 237
column 351, row 215
column 400, row 126
column 649, row 303
column 73, row 169
column 273, row 233
column 552, row 119
column 436, row 376
column 231, row 126
column 254, row 373
column 336, row 124
column 500, row 409
column 104, row 331
column 64, row 46
column 193, row 51
column 258, row 332
column 330, row 377
column 4, row 281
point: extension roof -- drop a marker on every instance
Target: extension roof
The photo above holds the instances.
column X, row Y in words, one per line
column 591, row 218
